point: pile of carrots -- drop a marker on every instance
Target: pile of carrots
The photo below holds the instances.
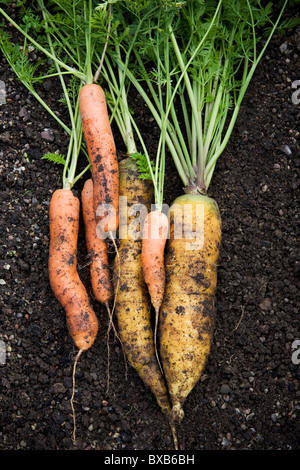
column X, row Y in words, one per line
column 139, row 268
column 177, row 274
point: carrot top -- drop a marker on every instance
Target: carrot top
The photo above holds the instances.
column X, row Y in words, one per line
column 192, row 64
column 61, row 32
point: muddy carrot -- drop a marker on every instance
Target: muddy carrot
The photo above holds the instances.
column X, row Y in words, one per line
column 102, row 154
column 97, row 248
column 69, row 290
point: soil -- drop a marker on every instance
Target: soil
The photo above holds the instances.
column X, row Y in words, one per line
column 249, row 395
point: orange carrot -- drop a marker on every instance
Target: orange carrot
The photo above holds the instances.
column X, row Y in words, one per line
column 155, row 235
column 82, row 322
column 97, row 248
column 102, row 154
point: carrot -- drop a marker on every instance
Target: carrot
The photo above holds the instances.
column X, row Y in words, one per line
column 155, row 234
column 188, row 311
column 82, row 322
column 102, row 154
column 132, row 309
column 154, row 239
column 97, row 248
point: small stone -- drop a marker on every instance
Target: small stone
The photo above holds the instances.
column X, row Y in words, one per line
column 5, row 137
column 23, row 113
column 224, row 442
column 47, row 135
column 283, row 48
column 59, row 388
column 286, row 149
column 265, row 304
column 225, row 389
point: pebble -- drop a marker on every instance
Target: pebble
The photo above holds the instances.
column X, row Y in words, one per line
column 5, row 137
column 224, row 442
column 225, row 389
column 47, row 135
column 59, row 388
column 286, row 149
column 284, row 48
column 266, row 304
column 24, row 114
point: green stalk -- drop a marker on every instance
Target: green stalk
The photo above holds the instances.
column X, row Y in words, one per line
column 88, row 66
column 184, row 76
column 155, row 114
column 172, row 138
column 41, row 48
column 246, row 81
column 30, row 88
column 196, row 123
column 128, row 136
column 75, row 143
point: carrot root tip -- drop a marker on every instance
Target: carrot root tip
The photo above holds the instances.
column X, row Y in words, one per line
column 177, row 413
column 174, row 434
column 73, row 394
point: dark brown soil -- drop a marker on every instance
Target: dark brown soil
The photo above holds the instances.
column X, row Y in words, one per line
column 249, row 395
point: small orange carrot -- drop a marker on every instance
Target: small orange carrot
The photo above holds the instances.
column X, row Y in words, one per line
column 97, row 248
column 155, row 235
column 102, row 154
column 82, row 322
